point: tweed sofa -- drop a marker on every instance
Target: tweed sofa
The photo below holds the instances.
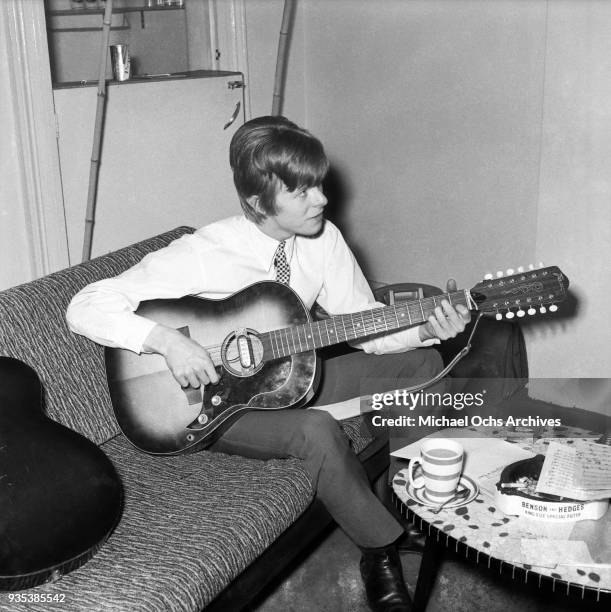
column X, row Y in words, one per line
column 204, row 530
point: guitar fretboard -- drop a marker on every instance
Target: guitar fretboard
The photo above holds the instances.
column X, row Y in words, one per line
column 318, row 334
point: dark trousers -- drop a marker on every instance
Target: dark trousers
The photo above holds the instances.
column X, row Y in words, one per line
column 316, row 438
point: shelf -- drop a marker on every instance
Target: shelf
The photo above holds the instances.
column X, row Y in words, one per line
column 112, row 29
column 115, row 11
column 186, row 75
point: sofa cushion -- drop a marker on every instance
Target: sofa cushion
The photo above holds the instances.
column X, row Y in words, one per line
column 358, row 432
column 33, row 329
column 190, row 525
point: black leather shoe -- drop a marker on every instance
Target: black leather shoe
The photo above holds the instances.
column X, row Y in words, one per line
column 412, row 540
column 383, row 578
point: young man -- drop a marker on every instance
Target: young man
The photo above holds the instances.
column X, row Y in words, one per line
column 278, row 170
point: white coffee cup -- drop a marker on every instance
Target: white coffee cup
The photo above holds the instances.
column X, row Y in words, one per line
column 441, row 462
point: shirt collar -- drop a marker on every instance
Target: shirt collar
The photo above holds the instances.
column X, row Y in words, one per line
column 264, row 247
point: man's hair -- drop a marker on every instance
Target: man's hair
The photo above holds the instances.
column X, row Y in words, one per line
column 268, row 151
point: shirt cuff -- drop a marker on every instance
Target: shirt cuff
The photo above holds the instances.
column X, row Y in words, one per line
column 136, row 334
column 413, row 339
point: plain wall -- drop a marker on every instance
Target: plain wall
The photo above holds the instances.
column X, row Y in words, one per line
column 431, row 113
column 574, row 206
column 263, row 22
column 467, row 137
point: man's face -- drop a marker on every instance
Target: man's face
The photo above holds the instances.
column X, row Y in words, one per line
column 298, row 212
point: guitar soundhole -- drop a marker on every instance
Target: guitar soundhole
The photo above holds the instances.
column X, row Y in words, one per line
column 242, row 352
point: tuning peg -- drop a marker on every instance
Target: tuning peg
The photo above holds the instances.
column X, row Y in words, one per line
column 520, row 313
column 553, row 308
column 531, row 311
column 531, row 266
column 543, row 310
column 541, row 265
column 499, row 316
column 499, row 274
column 520, row 269
column 509, row 315
column 509, row 271
column 488, row 277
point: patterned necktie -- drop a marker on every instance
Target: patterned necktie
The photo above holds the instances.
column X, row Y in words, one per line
column 283, row 272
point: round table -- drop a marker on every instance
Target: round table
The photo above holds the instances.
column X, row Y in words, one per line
column 482, row 533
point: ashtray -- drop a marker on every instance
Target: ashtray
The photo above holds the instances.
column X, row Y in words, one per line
column 515, row 495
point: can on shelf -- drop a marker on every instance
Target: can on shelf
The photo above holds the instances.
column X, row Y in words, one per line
column 119, row 56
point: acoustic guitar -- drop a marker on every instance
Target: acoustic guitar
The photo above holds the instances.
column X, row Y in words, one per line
column 60, row 496
column 263, row 343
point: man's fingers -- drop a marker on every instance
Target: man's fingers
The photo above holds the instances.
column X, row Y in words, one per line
column 451, row 285
column 195, row 377
column 210, row 370
column 203, row 374
column 464, row 312
column 447, row 321
column 436, row 331
column 181, row 380
column 187, row 378
column 190, row 363
column 453, row 318
column 195, row 380
column 435, row 322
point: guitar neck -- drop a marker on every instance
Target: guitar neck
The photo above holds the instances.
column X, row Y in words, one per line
column 341, row 328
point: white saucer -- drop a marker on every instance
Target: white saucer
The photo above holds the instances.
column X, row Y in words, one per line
column 419, row 496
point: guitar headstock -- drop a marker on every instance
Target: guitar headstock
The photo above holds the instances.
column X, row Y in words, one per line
column 527, row 292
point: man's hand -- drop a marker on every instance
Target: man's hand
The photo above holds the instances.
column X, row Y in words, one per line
column 189, row 362
column 447, row 320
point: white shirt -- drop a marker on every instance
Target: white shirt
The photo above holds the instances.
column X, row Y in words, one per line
column 215, row 262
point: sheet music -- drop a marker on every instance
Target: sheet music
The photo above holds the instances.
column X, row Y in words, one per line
column 579, row 473
column 595, row 463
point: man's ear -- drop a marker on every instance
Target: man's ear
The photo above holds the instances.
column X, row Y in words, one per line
column 253, row 202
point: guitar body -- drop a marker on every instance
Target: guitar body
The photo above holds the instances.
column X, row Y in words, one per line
column 161, row 418
column 60, row 496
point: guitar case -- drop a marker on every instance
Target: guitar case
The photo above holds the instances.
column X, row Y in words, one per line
column 60, row 496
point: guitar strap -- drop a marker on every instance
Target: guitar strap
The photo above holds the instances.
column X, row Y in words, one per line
column 462, row 353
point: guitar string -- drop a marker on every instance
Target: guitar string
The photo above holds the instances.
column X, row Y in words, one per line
column 373, row 321
column 366, row 327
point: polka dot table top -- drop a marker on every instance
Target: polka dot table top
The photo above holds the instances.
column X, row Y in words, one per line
column 492, row 535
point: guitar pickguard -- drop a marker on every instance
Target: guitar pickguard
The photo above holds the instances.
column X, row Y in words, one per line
column 280, row 384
